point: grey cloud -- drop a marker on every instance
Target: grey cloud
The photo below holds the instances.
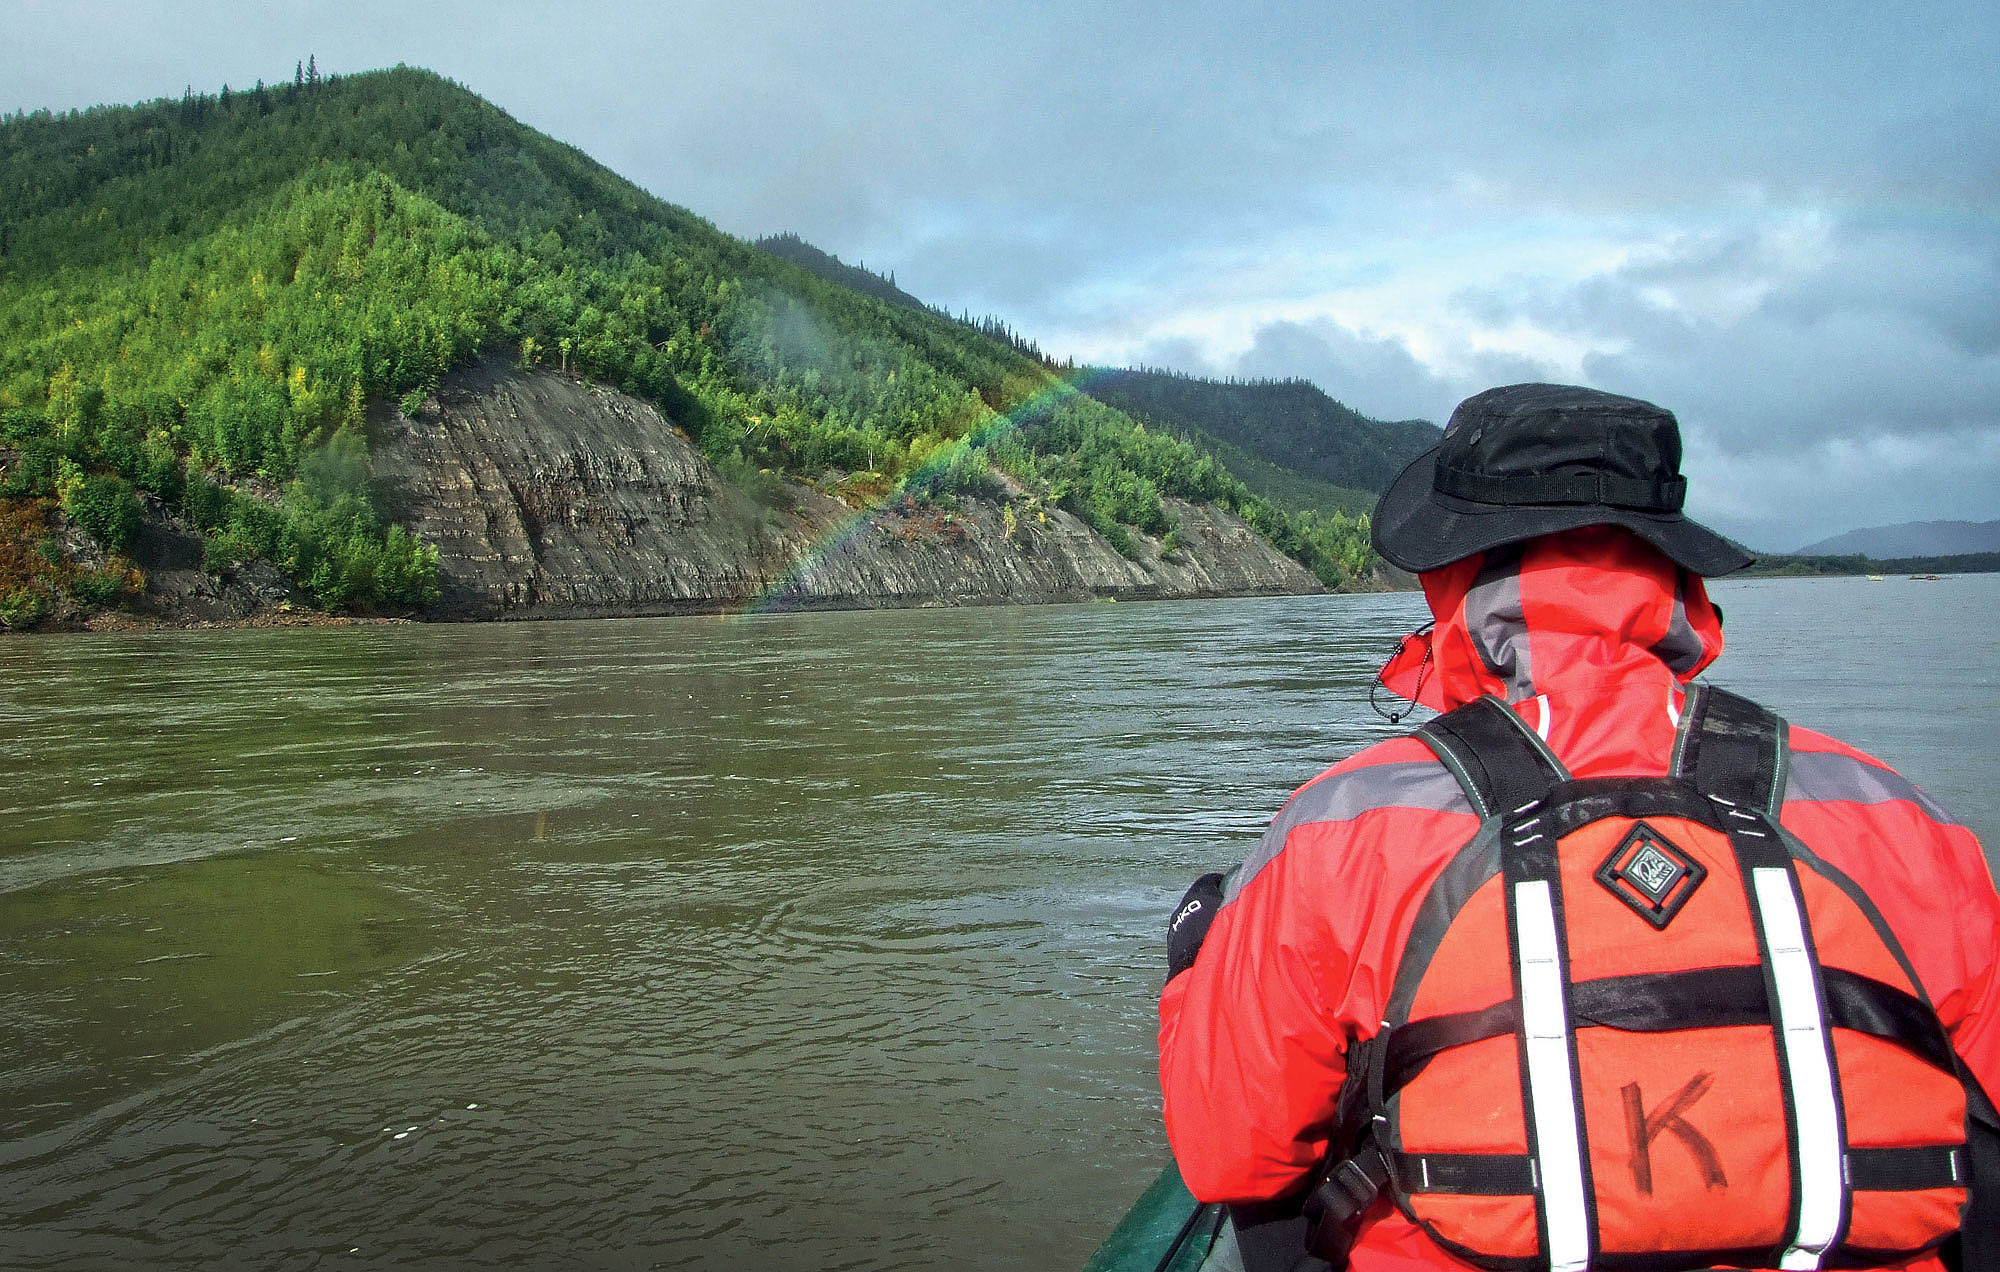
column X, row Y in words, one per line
column 1876, row 328
column 1180, row 354
column 1850, row 374
column 838, row 121
column 1781, row 498
column 1944, row 279
column 1653, row 302
column 1946, row 156
column 1375, row 376
column 1862, row 388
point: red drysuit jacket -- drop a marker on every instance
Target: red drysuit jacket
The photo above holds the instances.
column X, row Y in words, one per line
column 1590, row 636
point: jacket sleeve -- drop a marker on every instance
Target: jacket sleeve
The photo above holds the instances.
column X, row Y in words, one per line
column 1251, row 1046
column 1254, row 1036
column 1973, row 1014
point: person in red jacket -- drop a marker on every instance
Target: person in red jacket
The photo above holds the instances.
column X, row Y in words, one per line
column 1546, row 529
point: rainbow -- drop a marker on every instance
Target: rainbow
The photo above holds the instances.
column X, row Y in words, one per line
column 782, row 592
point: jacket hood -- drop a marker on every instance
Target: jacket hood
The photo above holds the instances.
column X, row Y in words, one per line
column 1590, row 610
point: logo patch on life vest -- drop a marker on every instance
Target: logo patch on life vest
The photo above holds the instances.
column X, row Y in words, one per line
column 1652, row 874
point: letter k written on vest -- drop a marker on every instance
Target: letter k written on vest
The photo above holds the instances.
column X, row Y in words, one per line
column 1670, row 1118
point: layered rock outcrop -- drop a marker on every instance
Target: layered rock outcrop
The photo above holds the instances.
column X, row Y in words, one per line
column 547, row 497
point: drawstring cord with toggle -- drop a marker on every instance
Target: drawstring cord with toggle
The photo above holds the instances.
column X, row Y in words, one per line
column 1423, row 670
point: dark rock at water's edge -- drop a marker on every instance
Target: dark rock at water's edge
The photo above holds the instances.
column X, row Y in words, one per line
column 178, row 589
column 551, row 498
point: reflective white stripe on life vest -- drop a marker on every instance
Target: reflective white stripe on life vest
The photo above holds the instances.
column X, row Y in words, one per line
column 1807, row 1066
column 1551, row 1086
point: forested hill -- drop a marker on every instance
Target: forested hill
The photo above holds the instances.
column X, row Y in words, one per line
column 1288, row 423
column 200, row 297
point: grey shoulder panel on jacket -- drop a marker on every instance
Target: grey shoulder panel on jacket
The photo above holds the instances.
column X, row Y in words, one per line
column 1426, row 785
column 1830, row 777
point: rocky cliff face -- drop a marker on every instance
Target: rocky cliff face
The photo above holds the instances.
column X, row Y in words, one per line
column 550, row 498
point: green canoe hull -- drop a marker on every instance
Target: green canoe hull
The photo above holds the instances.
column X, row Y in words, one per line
column 1167, row 1230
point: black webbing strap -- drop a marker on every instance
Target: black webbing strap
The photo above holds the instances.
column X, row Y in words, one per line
column 1659, row 494
column 1580, row 801
column 1501, row 765
column 1977, row 1244
column 1866, row 1005
column 1708, row 998
column 1732, row 748
column 1416, row 1044
column 1502, row 768
column 1513, row 1174
column 1480, row 1174
column 1906, row 1169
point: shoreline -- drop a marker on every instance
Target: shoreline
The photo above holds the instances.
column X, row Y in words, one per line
column 141, row 622
column 128, row 622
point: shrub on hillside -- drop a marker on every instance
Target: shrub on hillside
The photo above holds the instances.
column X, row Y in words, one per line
column 105, row 506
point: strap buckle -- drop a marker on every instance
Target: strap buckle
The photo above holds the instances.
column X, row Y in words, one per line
column 1349, row 1190
column 1340, row 1197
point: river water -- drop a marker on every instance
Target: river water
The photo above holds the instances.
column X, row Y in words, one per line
column 808, row 941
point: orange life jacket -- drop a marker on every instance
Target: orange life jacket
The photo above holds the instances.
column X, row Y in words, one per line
column 1641, row 1025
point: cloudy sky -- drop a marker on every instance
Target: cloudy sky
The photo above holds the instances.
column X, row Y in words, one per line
column 1780, row 220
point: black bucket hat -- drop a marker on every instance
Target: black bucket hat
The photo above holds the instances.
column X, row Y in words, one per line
column 1534, row 459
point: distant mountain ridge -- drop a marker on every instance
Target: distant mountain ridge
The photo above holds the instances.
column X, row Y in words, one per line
column 1292, row 424
column 1911, row 539
column 1288, row 440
